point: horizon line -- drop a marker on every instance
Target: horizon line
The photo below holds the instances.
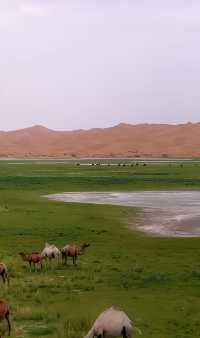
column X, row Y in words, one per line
column 120, row 124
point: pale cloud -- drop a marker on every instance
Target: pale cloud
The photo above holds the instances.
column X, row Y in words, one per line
column 32, row 9
column 13, row 10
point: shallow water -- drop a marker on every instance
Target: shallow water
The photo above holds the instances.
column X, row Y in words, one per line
column 166, row 213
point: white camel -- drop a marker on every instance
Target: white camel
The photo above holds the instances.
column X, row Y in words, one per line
column 50, row 252
column 111, row 323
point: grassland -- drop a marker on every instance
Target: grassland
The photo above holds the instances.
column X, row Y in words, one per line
column 156, row 280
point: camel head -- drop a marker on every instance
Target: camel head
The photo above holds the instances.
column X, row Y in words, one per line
column 83, row 247
column 23, row 255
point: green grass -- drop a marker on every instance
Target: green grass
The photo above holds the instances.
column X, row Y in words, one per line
column 156, row 280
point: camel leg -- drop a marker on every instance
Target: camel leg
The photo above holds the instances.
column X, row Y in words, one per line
column 102, row 335
column 3, row 277
column 50, row 261
column 38, row 266
column 47, row 263
column 8, row 279
column 9, row 324
column 74, row 260
column 30, row 265
column 124, row 334
column 64, row 257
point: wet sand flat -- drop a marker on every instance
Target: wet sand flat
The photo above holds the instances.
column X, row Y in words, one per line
column 166, row 213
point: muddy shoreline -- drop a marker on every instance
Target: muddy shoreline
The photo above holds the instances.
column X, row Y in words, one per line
column 165, row 213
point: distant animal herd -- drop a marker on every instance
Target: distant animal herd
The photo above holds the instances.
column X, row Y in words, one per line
column 110, row 324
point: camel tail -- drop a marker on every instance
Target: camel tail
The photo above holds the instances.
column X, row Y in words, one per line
column 90, row 334
column 138, row 330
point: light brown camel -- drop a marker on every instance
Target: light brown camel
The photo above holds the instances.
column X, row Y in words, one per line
column 5, row 315
column 4, row 272
column 111, row 323
column 33, row 258
column 73, row 250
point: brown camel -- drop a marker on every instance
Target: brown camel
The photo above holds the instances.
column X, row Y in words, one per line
column 72, row 250
column 5, row 314
column 4, row 272
column 33, row 258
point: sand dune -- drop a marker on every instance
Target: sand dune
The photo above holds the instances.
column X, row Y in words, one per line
column 121, row 140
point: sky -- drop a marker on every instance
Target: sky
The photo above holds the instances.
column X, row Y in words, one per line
column 70, row 64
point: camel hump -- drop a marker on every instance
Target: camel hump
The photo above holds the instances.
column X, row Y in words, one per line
column 115, row 315
column 35, row 257
column 36, row 253
column 69, row 246
column 54, row 247
column 113, row 322
column 3, row 266
column 70, row 249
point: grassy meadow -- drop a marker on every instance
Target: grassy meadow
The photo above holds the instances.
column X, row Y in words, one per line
column 156, row 280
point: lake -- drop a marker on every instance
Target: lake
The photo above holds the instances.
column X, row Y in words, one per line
column 165, row 213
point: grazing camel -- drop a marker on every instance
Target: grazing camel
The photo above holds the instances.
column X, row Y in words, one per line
column 4, row 272
column 111, row 323
column 50, row 252
column 72, row 250
column 34, row 258
column 5, row 315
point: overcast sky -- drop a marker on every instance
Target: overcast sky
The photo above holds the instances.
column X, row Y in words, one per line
column 70, row 64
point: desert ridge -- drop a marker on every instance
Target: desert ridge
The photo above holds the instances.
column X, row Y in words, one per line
column 149, row 140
